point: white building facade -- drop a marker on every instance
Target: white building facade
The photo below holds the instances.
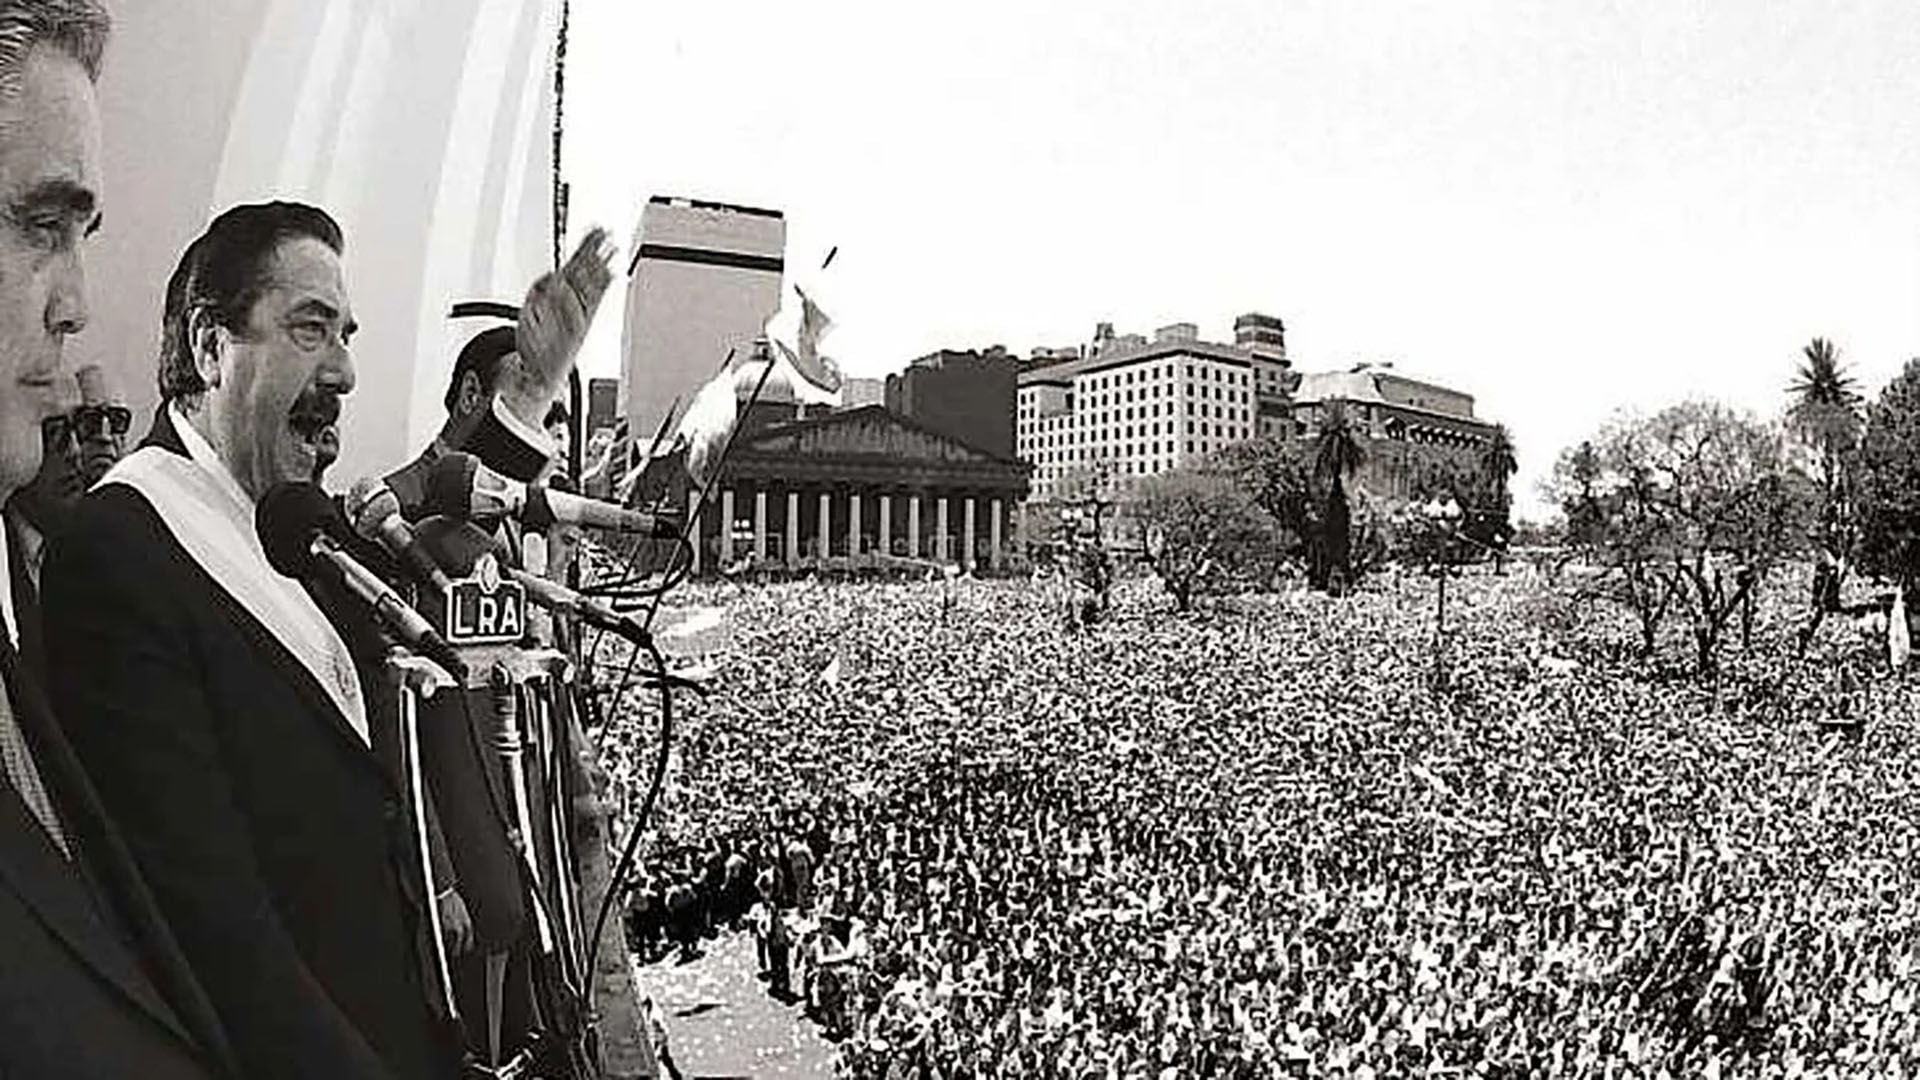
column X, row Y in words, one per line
column 1139, row 410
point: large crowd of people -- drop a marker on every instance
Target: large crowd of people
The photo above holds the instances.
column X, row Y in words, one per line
column 1266, row 841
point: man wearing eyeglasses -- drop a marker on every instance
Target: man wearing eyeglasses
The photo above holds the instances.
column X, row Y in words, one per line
column 76, row 449
column 100, row 426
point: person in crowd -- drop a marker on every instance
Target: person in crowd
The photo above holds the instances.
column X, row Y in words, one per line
column 33, row 514
column 506, row 379
column 558, row 425
column 499, row 393
column 683, row 915
column 77, row 447
column 657, row 1031
column 645, row 918
column 93, row 983
column 217, row 703
column 771, row 923
column 100, row 425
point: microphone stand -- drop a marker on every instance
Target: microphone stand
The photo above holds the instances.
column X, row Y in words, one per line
column 414, row 679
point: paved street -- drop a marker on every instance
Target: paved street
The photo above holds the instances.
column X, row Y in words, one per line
column 723, row 1024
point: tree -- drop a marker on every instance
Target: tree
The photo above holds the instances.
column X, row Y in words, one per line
column 1276, row 473
column 1824, row 411
column 1690, row 508
column 1498, row 463
column 1889, row 480
column 1089, row 496
column 1202, row 530
column 1091, row 490
column 1337, row 455
column 1612, row 525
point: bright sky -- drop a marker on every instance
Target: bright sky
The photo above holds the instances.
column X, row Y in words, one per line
column 1561, row 208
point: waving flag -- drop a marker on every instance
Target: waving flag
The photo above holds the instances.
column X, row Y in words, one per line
column 796, row 330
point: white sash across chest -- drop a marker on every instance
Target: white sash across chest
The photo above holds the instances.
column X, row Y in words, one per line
column 218, row 534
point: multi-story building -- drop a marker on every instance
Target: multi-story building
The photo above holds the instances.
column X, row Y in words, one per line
column 1398, row 416
column 857, row 392
column 706, row 277
column 965, row 395
column 1133, row 408
column 603, row 404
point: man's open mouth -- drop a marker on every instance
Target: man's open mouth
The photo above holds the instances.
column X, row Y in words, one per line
column 315, row 420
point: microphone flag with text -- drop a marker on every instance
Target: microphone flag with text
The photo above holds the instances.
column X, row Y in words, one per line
column 298, row 525
column 458, row 545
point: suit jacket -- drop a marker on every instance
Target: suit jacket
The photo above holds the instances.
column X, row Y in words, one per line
column 26, row 595
column 92, row 987
column 269, row 830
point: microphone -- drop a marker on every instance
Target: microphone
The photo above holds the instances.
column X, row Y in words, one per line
column 459, row 544
column 376, row 515
column 459, row 486
column 296, row 523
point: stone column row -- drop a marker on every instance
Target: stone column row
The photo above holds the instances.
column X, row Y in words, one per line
column 795, row 547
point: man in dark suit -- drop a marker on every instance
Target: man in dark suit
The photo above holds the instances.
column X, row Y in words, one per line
column 216, row 704
column 92, row 982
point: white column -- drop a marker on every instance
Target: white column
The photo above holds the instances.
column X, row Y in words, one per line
column 995, row 556
column 793, row 529
column 913, row 527
column 942, row 542
column 826, row 523
column 853, row 524
column 760, row 526
column 726, row 529
column 966, row 541
column 886, row 524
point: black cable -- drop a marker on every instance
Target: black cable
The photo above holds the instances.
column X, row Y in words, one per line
column 624, row 865
column 619, row 687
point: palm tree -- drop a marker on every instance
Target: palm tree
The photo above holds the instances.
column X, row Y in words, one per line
column 1825, row 411
column 1337, row 454
column 1498, row 463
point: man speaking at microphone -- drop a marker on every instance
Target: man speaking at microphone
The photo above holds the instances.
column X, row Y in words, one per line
column 215, row 703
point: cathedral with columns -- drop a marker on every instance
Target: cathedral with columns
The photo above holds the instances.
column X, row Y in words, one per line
column 858, row 489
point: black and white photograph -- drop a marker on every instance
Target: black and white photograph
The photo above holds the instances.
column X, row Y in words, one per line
column 1042, row 540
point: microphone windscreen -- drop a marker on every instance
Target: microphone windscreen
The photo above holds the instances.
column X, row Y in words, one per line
column 450, row 486
column 456, row 544
column 287, row 519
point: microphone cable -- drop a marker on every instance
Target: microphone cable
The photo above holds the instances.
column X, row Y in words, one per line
column 629, row 850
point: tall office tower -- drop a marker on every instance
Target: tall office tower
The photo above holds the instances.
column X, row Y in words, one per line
column 705, row 278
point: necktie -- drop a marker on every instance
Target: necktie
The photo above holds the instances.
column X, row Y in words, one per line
column 24, row 775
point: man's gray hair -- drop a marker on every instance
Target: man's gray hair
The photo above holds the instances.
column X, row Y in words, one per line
column 77, row 28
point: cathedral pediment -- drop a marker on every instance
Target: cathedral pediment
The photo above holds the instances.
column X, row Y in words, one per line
column 867, row 432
